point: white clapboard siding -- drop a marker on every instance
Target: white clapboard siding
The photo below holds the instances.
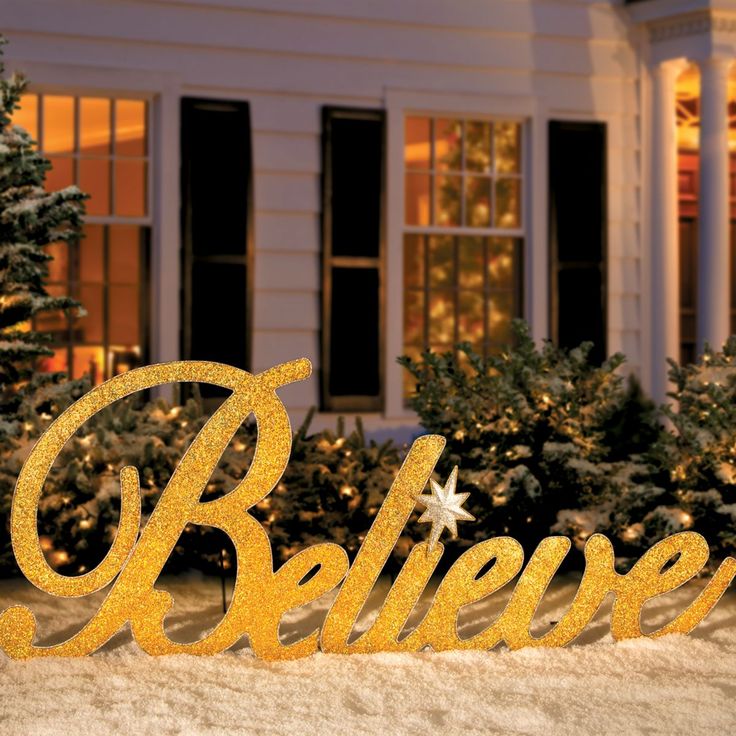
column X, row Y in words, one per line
column 284, row 153
column 575, row 58
column 216, row 28
column 291, row 231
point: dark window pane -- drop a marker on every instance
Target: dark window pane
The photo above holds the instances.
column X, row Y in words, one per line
column 215, row 201
column 580, row 309
column 577, row 195
column 577, row 189
column 218, row 182
column 356, row 159
column 218, row 327
column 354, row 332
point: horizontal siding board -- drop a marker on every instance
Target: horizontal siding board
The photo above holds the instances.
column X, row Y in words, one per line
column 287, row 192
column 287, row 232
column 272, row 72
column 287, row 271
column 278, row 310
column 286, row 153
column 579, row 18
column 313, row 35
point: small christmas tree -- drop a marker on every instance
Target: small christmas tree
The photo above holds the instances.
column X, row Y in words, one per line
column 30, row 218
column 697, row 457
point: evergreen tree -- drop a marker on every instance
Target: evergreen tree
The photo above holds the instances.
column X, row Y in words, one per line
column 30, row 218
column 697, row 457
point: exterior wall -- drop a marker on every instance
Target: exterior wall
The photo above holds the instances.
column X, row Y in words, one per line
column 538, row 59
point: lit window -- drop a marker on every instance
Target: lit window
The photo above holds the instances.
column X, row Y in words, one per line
column 463, row 233
column 101, row 145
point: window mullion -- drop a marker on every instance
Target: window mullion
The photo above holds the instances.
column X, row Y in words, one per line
column 486, row 299
column 106, row 368
column 456, row 290
column 425, row 326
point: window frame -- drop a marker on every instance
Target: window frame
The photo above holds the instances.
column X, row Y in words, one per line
column 532, row 113
column 145, row 223
column 188, row 258
column 358, row 403
column 518, row 235
column 486, row 292
column 558, row 266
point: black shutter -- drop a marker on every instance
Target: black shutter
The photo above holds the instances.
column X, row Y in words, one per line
column 577, row 237
column 216, row 225
column 352, row 197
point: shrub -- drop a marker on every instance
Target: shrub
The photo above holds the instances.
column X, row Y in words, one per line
column 535, row 432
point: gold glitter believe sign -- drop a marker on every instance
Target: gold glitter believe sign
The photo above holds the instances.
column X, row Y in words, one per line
column 262, row 595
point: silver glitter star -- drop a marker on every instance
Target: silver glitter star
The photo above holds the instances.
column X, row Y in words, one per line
column 444, row 508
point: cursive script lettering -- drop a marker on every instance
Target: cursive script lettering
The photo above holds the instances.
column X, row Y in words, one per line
column 262, row 596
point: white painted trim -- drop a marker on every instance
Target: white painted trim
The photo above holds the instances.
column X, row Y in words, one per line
column 647, row 366
column 614, row 245
column 165, row 260
column 110, row 81
column 399, row 103
column 536, row 244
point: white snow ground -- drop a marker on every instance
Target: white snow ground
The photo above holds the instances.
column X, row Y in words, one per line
column 674, row 685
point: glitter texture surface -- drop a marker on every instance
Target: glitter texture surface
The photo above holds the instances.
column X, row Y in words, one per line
column 262, row 596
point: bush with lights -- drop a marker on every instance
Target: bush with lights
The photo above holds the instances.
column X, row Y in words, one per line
column 544, row 439
column 697, row 457
column 331, row 490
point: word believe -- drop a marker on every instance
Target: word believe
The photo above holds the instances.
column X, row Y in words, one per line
column 262, row 595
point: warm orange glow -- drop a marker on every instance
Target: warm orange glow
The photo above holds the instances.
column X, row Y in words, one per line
column 688, row 109
column 130, row 188
column 58, row 124
column 27, row 115
column 89, row 360
column 462, row 173
column 130, row 128
column 94, row 125
column 100, row 144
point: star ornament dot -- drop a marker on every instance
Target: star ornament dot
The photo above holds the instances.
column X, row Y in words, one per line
column 444, row 509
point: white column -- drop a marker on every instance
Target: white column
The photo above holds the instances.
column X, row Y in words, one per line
column 665, row 270
column 713, row 220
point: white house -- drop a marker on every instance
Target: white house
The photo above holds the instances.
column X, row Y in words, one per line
column 351, row 180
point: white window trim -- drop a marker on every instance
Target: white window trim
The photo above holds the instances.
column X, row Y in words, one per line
column 163, row 92
column 525, row 109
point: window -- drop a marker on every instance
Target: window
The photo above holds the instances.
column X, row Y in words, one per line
column 216, row 227
column 577, row 233
column 688, row 183
column 463, row 233
column 101, row 145
column 352, row 196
